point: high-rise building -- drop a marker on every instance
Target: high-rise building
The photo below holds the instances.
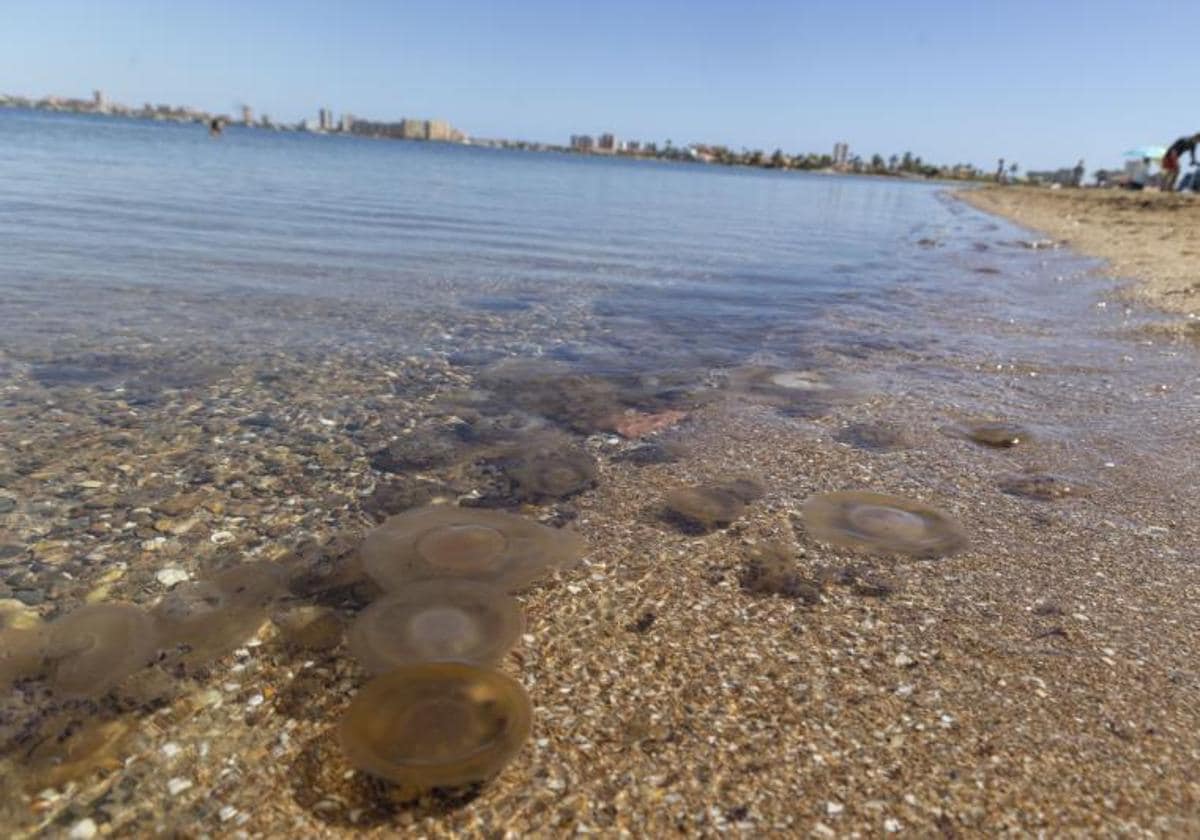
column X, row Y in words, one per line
column 324, row 120
column 582, row 142
column 607, row 143
column 98, row 100
column 247, row 115
column 347, row 123
column 841, row 154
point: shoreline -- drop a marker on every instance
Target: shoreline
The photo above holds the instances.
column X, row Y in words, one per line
column 1149, row 240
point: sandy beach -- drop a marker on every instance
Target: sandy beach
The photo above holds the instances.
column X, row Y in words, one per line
column 1151, row 238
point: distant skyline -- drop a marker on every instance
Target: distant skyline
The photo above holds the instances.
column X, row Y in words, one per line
column 1041, row 84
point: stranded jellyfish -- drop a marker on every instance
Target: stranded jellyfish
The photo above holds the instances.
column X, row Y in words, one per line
column 1044, row 487
column 996, row 435
column 882, row 523
column 90, row 650
column 712, row 506
column 504, row 550
column 433, row 725
column 446, row 619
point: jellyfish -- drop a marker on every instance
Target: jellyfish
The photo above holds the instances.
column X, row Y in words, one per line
column 433, row 725
column 882, row 523
column 443, row 619
column 90, row 650
column 504, row 550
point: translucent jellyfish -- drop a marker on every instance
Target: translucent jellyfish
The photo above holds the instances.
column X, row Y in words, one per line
column 771, row 570
column 552, row 474
column 309, row 627
column 90, row 650
column 1044, row 487
column 436, row 725
column 445, row 619
column 712, row 506
column 881, row 523
column 996, row 435
column 504, row 550
column 200, row 621
column 68, row 749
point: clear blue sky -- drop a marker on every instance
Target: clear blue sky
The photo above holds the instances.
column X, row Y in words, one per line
column 1040, row 83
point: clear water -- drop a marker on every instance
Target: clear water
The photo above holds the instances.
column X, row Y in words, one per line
column 112, row 225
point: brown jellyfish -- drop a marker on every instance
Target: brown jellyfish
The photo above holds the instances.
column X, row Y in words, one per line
column 22, row 651
column 771, row 570
column 552, row 474
column 90, row 650
column 257, row 584
column 439, row 620
column 199, row 622
column 995, row 435
column 436, row 725
column 882, row 523
column 801, row 392
column 309, row 627
column 708, row 507
column 70, row 749
column 504, row 550
column 1044, row 487
column 875, row 437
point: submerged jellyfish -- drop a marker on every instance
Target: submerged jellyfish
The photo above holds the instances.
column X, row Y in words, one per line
column 875, row 437
column 552, row 474
column 1042, row 486
column 433, row 725
column 997, row 435
column 204, row 621
column 712, row 506
column 802, row 392
column 882, row 523
column 771, row 570
column 22, row 650
column 504, row 550
column 90, row 650
column 446, row 619
column 70, row 749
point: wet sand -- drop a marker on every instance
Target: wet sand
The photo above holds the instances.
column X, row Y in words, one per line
column 1044, row 680
column 1151, row 237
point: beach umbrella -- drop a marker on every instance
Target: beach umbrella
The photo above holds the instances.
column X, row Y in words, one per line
column 1152, row 152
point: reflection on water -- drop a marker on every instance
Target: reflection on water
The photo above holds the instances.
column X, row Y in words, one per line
column 226, row 362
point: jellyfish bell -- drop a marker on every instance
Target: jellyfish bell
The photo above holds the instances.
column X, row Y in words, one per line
column 68, row 749
column 90, row 650
column 201, row 621
column 443, row 619
column 256, row 584
column 882, row 523
column 22, row 651
column 504, row 550
column 434, row 725
column 994, row 434
column 712, row 506
column 550, row 475
column 1044, row 487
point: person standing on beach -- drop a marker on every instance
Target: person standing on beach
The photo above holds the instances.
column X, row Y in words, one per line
column 1170, row 161
column 1000, row 172
column 1077, row 174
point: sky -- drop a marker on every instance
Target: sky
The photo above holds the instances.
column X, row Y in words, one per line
column 1042, row 84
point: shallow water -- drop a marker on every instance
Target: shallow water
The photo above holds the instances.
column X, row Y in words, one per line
column 256, row 347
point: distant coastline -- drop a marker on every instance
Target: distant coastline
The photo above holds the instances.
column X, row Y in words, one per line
column 840, row 161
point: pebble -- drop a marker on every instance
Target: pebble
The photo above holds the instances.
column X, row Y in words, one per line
column 30, row 597
column 177, row 786
column 227, row 813
column 7, row 504
column 834, row 808
column 222, row 537
column 85, row 829
column 170, row 749
column 171, row 576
